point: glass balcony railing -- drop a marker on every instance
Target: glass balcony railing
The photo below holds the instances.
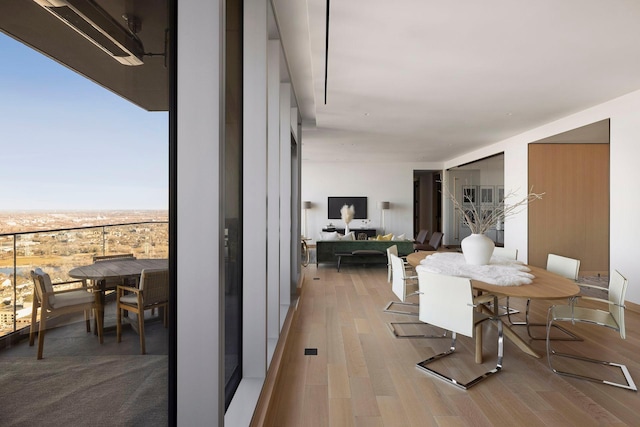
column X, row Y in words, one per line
column 58, row 251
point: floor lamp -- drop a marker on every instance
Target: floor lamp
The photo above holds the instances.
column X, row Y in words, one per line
column 306, row 206
column 383, row 207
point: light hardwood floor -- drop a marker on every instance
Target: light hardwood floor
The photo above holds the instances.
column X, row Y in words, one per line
column 363, row 376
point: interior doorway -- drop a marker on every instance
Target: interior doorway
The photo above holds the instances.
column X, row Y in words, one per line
column 427, row 201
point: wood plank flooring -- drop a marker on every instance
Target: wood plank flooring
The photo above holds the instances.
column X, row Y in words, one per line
column 364, row 376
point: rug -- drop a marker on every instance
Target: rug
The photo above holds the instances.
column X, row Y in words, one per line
column 500, row 271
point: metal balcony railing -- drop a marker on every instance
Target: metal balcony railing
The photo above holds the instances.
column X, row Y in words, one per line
column 59, row 250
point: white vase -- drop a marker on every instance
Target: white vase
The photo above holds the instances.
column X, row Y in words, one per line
column 477, row 249
column 346, row 228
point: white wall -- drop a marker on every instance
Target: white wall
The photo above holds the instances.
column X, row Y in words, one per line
column 391, row 182
column 624, row 115
column 200, row 376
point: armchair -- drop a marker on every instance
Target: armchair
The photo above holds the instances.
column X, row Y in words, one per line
column 433, row 245
column 153, row 293
column 54, row 303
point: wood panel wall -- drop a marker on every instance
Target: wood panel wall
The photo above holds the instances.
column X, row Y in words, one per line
column 572, row 219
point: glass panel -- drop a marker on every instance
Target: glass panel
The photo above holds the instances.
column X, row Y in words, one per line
column 232, row 202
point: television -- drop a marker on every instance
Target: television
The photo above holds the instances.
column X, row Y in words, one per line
column 336, row 203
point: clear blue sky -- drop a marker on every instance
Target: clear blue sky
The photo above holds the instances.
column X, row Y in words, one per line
column 68, row 144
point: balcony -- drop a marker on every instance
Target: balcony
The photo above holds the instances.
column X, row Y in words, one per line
column 58, row 251
column 79, row 381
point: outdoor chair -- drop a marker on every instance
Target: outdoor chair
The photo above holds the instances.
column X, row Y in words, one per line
column 58, row 302
column 152, row 293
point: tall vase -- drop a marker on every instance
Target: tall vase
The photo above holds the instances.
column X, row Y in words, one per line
column 346, row 228
column 477, row 249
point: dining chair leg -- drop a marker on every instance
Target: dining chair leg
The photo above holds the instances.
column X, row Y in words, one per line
column 570, row 335
column 87, row 319
column 141, row 330
column 32, row 328
column 43, row 327
column 398, row 333
column 100, row 327
column 388, row 308
column 119, row 310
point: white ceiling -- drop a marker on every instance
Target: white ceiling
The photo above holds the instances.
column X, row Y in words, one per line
column 427, row 80
column 409, row 80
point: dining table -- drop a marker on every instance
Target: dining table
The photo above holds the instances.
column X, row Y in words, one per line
column 544, row 285
column 118, row 268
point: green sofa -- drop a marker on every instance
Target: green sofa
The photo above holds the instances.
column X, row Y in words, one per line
column 326, row 250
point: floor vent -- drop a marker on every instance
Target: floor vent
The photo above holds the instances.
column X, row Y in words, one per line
column 310, row 351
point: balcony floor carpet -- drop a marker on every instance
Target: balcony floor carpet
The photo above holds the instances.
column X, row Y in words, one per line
column 84, row 390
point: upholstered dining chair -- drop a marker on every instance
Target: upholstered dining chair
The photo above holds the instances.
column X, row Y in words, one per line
column 111, row 284
column 448, row 302
column 98, row 258
column 80, row 298
column 403, row 286
column 433, row 245
column 611, row 317
column 510, row 254
column 420, row 238
column 152, row 293
column 393, row 250
column 562, row 266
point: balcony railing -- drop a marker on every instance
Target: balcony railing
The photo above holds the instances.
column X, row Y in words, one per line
column 58, row 251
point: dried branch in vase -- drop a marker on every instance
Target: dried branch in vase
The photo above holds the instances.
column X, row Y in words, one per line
column 347, row 212
column 481, row 220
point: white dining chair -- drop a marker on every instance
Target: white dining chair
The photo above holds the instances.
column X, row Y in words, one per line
column 448, row 302
column 612, row 317
column 565, row 267
column 402, row 285
column 510, row 254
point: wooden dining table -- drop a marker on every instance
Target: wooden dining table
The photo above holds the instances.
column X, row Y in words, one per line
column 544, row 286
column 117, row 268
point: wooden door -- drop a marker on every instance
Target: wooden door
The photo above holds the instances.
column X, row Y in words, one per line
column 572, row 219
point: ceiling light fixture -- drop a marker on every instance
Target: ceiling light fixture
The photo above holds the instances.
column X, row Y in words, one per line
column 96, row 25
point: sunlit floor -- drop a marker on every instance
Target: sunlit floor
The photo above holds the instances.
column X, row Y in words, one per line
column 360, row 374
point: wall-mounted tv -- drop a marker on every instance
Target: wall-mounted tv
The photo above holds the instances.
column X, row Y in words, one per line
column 336, row 203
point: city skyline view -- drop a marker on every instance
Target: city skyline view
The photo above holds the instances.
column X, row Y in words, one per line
column 69, row 144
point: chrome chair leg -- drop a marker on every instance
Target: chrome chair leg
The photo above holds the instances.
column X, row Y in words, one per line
column 628, row 385
column 388, row 308
column 395, row 331
column 570, row 335
column 424, row 364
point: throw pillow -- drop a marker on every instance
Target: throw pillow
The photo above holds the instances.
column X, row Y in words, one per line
column 333, row 235
column 348, row 236
column 386, row 237
column 400, row 237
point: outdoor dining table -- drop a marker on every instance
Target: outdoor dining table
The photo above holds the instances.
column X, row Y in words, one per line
column 119, row 268
column 544, row 286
